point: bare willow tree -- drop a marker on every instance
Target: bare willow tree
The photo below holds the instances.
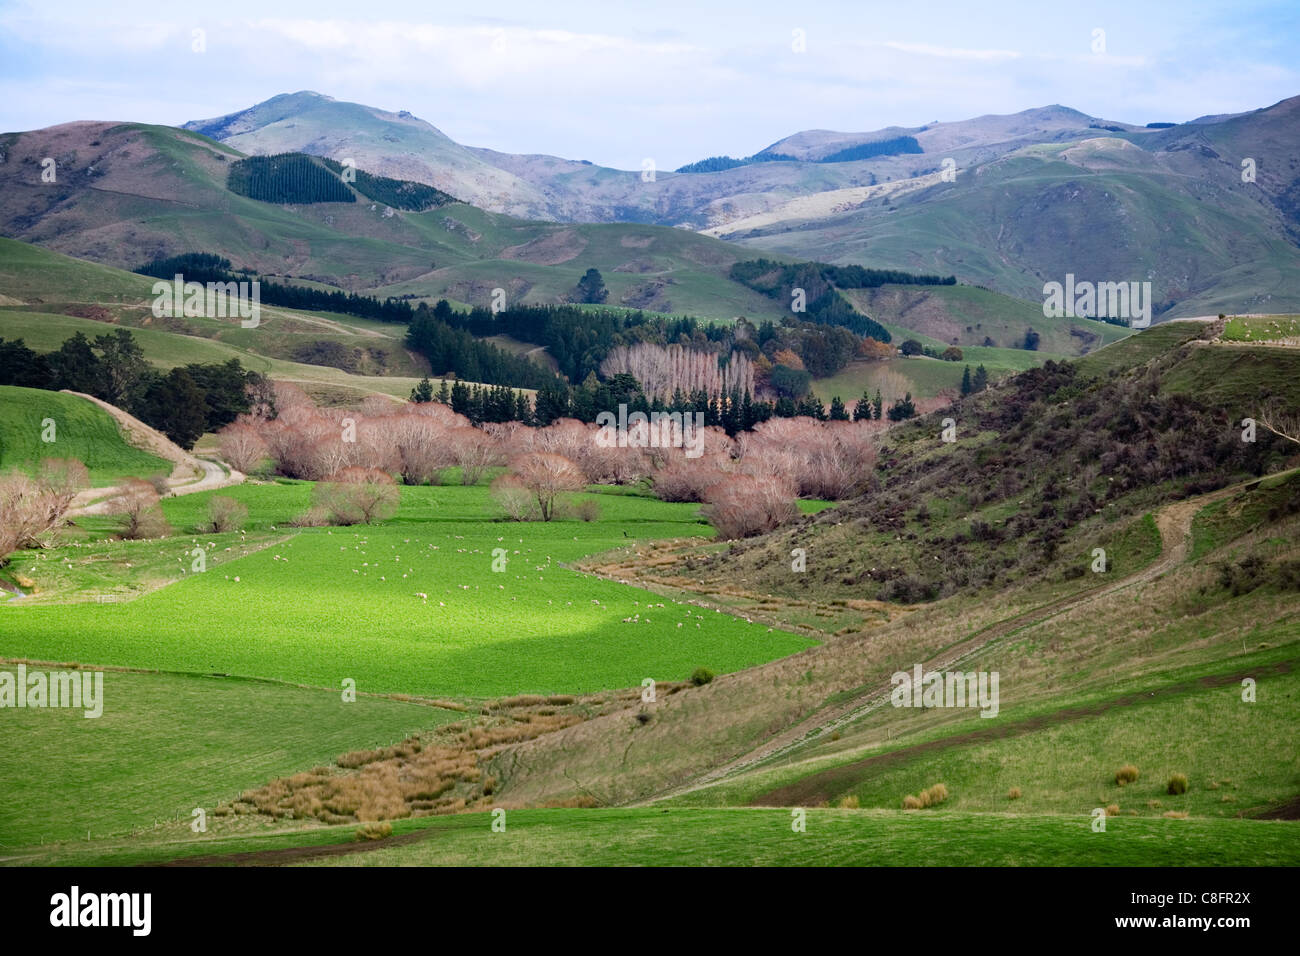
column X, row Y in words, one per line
column 547, row 477
column 664, row 370
column 1283, row 422
column 30, row 508
column 138, row 511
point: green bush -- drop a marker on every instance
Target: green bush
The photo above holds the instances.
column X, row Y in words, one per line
column 701, row 676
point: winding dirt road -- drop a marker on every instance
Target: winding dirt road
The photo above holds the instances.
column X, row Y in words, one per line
column 189, row 473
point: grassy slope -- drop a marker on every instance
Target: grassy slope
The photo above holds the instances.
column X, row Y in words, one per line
column 935, row 316
column 689, row 837
column 1147, row 632
column 1126, row 217
column 82, row 431
column 168, row 743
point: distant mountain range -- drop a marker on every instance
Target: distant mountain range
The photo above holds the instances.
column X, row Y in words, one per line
column 1005, row 202
column 1027, row 197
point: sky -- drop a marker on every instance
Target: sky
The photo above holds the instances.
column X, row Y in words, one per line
column 617, row 81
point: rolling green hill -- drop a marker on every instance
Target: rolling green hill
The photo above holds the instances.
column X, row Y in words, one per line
column 130, row 193
column 1113, row 212
column 81, row 430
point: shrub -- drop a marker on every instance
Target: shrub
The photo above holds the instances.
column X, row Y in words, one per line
column 547, row 477
column 929, row 797
column 743, row 505
column 1177, row 784
column 311, row 518
column 701, row 676
column 373, row 831
column 515, row 500
column 1126, row 774
column 243, row 448
column 61, row 480
column 587, row 510
column 225, row 514
column 22, row 513
column 357, row 495
column 140, row 515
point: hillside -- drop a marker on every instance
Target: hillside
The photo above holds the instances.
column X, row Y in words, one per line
column 960, row 559
column 564, row 190
column 51, row 296
column 128, row 193
column 1115, row 212
column 1120, row 201
column 81, row 430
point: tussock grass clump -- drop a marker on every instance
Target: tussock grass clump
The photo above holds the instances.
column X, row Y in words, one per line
column 1013, row 793
column 373, row 831
column 930, row 797
column 1177, row 784
column 1126, row 774
column 522, row 700
column 1112, row 810
column 849, row 803
column 1175, row 814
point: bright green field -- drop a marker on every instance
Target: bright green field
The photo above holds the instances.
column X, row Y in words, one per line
column 752, row 837
column 168, row 743
column 83, row 431
column 335, row 603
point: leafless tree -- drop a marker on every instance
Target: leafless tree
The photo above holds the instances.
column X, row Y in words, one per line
column 547, row 477
column 1285, row 423
column 357, row 495
column 141, row 517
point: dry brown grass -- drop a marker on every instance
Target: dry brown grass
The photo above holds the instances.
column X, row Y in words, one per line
column 373, row 831
column 1013, row 793
column 929, row 797
column 416, row 777
column 1126, row 774
column 849, row 803
column 1112, row 810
